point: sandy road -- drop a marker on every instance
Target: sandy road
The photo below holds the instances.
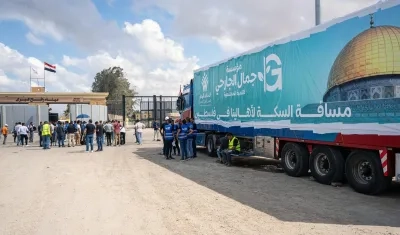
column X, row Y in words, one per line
column 132, row 190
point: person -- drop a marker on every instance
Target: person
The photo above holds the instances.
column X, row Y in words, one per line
column 60, row 134
column 123, row 134
column 168, row 138
column 108, row 128
column 194, row 137
column 17, row 126
column 78, row 133
column 117, row 133
column 189, row 138
column 46, row 133
column 233, row 148
column 139, row 129
column 156, row 127
column 175, row 143
column 89, row 132
column 31, row 128
column 182, row 136
column 136, row 134
column 71, row 134
column 99, row 136
column 23, row 132
column 15, row 132
column 162, row 133
column 40, row 134
column 4, row 132
column 223, row 146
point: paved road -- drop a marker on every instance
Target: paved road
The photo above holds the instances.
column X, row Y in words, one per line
column 132, row 190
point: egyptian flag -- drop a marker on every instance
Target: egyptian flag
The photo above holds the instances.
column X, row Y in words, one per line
column 49, row 67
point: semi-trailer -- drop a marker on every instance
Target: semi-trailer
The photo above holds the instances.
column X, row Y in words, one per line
column 325, row 101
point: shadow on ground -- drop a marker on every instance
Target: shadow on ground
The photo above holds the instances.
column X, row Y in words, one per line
column 267, row 189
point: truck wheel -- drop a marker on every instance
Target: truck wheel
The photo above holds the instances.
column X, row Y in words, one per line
column 365, row 174
column 210, row 146
column 294, row 159
column 326, row 165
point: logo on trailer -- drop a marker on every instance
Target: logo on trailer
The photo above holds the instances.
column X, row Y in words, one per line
column 204, row 82
column 274, row 72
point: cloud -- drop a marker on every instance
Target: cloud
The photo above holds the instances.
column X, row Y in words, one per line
column 158, row 67
column 237, row 25
column 75, row 21
column 33, row 39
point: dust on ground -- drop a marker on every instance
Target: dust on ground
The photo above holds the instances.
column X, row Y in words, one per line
column 133, row 190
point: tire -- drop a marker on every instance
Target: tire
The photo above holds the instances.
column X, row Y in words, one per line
column 327, row 165
column 210, row 146
column 294, row 159
column 365, row 174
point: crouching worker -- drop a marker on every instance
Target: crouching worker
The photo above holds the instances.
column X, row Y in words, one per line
column 233, row 148
column 224, row 142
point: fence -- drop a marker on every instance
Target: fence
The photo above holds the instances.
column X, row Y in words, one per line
column 151, row 108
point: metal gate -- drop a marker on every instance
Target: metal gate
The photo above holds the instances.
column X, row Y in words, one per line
column 148, row 109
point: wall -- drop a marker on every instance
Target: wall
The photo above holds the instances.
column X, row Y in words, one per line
column 96, row 112
column 11, row 114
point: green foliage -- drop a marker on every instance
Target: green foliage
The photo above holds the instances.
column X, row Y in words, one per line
column 67, row 111
column 113, row 81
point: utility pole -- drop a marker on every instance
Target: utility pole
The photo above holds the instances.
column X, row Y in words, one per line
column 317, row 12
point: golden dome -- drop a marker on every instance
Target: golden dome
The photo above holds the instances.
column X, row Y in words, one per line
column 374, row 52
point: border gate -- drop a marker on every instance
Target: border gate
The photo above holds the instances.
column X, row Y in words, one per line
column 150, row 108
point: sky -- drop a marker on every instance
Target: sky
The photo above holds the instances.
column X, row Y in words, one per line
column 158, row 43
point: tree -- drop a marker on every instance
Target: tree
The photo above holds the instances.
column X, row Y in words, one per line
column 67, row 111
column 113, row 81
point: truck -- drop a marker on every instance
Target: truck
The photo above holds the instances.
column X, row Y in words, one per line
column 324, row 102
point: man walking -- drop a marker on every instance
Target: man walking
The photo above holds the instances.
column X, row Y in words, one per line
column 139, row 129
column 23, row 134
column 17, row 132
column 4, row 132
column 31, row 128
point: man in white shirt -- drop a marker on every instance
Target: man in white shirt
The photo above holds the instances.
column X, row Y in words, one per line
column 139, row 130
column 16, row 129
column 123, row 131
column 23, row 133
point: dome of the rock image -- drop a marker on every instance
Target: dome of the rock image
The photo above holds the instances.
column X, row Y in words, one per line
column 368, row 67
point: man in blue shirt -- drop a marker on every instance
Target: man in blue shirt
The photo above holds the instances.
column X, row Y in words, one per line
column 194, row 135
column 168, row 138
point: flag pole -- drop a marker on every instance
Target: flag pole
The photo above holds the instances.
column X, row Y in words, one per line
column 30, row 78
column 44, row 78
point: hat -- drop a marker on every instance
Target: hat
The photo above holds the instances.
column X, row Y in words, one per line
column 166, row 118
column 6, row 125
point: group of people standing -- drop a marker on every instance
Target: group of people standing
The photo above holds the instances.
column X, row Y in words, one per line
column 82, row 133
column 22, row 133
column 179, row 136
column 75, row 133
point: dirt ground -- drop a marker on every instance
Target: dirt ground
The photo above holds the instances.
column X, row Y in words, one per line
column 133, row 190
